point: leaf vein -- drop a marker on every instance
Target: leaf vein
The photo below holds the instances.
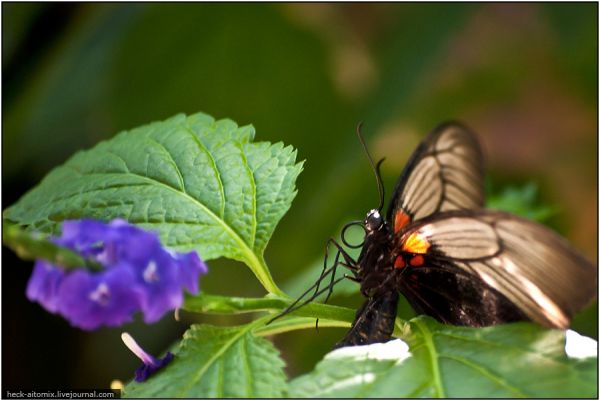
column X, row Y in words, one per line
column 249, row 392
column 213, row 162
column 173, row 162
column 215, row 357
column 433, row 358
column 253, row 185
column 485, row 372
column 220, row 379
column 417, row 390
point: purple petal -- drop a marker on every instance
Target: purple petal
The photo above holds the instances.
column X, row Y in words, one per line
column 190, row 268
column 146, row 370
column 91, row 239
column 90, row 300
column 136, row 245
column 159, row 285
column 44, row 283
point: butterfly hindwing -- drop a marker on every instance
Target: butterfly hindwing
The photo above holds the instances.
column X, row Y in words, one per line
column 454, row 296
column 530, row 265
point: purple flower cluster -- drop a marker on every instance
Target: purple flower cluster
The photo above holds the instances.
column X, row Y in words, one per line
column 137, row 274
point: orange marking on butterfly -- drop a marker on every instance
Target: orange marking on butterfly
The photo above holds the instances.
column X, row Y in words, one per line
column 399, row 262
column 401, row 219
column 414, row 243
column 417, row 261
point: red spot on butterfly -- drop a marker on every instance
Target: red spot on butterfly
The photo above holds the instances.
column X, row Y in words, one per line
column 400, row 220
column 417, row 261
column 399, row 262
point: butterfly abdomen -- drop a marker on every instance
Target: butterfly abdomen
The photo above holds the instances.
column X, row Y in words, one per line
column 374, row 322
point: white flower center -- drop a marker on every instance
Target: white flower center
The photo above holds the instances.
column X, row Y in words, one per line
column 150, row 273
column 101, row 294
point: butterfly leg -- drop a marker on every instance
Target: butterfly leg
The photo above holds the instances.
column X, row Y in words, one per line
column 294, row 306
column 349, row 263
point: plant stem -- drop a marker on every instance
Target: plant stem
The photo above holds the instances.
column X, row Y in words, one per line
column 296, row 323
column 205, row 303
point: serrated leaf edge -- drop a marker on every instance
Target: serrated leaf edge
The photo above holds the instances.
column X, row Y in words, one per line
column 215, row 356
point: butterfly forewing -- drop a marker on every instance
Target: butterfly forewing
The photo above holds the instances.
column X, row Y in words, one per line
column 528, row 264
column 444, row 173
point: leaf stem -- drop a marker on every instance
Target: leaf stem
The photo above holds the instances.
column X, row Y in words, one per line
column 206, row 303
column 296, row 323
column 258, row 265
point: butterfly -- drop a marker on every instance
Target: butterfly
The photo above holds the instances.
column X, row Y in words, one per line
column 451, row 258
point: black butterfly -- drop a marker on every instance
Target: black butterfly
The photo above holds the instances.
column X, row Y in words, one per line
column 452, row 259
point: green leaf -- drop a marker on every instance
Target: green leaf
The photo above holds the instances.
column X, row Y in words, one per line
column 522, row 201
column 217, row 362
column 515, row 360
column 202, row 184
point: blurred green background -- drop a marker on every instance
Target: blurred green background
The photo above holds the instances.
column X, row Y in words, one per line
column 524, row 76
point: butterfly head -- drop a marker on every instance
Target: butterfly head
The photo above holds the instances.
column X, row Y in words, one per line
column 373, row 221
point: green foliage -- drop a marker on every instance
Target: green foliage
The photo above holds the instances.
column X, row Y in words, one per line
column 202, row 184
column 522, row 201
column 218, row 362
column 515, row 360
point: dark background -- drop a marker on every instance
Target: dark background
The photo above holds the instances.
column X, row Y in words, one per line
column 524, row 76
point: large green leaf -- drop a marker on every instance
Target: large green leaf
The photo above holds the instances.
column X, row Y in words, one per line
column 217, row 362
column 515, row 360
column 202, row 184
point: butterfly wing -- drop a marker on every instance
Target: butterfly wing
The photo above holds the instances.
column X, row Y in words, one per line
column 444, row 173
column 454, row 296
column 527, row 264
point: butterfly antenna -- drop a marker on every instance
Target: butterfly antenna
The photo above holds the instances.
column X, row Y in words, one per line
column 374, row 166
